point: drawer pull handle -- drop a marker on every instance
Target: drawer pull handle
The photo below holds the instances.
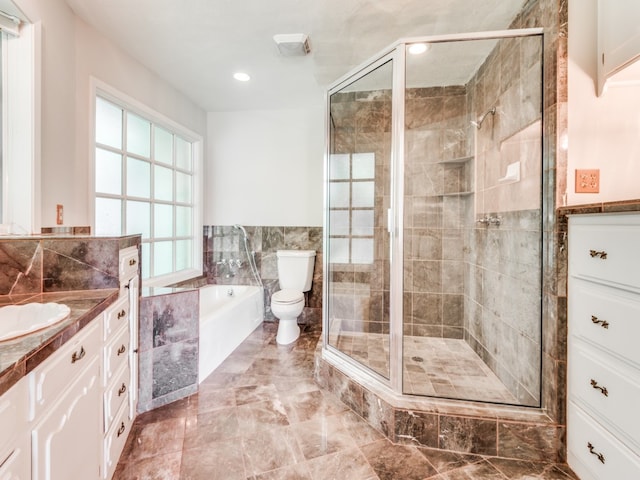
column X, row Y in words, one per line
column 123, row 389
column 132, row 262
column 598, row 253
column 122, row 428
column 78, row 355
column 597, row 321
column 603, row 390
column 121, row 314
column 593, row 452
column 121, row 350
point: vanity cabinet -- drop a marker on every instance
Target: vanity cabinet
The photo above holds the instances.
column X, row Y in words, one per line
column 65, row 410
column 120, row 373
column 15, row 446
column 618, row 38
column 603, row 427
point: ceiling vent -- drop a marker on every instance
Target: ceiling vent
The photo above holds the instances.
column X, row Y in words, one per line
column 292, row 44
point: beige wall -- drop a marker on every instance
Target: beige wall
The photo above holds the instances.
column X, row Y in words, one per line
column 71, row 52
column 604, row 132
column 265, row 168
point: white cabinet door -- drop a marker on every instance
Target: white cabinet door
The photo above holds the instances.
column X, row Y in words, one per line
column 17, row 466
column 66, row 442
column 618, row 37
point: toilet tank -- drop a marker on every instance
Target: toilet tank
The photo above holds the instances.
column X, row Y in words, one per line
column 295, row 269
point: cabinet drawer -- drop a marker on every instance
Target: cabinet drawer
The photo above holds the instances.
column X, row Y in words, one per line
column 115, row 317
column 16, row 464
column 594, row 453
column 609, row 389
column 61, row 368
column 114, row 441
column 128, row 263
column 13, row 416
column 116, row 354
column 607, row 317
column 115, row 395
column 606, row 249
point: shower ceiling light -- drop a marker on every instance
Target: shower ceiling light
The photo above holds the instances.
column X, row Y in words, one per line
column 418, row 48
column 241, row 76
column 292, row 44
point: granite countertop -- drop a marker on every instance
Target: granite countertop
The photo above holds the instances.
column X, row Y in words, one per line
column 20, row 356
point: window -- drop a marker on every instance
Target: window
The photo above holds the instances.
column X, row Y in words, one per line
column 146, row 182
column 351, row 215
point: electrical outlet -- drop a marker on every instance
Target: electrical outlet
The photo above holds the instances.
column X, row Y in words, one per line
column 588, row 181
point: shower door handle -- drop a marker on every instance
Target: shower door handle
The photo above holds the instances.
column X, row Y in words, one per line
column 390, row 226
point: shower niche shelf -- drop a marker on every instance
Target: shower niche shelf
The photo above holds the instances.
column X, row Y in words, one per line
column 457, row 172
column 456, row 161
column 455, row 194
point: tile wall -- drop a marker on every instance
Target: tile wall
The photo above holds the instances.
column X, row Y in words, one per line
column 226, row 243
column 168, row 359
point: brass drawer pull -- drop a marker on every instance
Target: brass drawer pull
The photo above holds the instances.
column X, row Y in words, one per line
column 597, row 321
column 78, row 355
column 603, row 390
column 123, row 389
column 598, row 253
column 121, row 314
column 122, row 428
column 132, row 262
column 121, row 350
column 593, row 452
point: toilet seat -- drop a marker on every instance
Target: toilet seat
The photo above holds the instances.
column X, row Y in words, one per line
column 287, row 297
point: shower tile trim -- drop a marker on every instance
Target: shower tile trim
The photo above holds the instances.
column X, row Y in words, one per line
column 438, row 423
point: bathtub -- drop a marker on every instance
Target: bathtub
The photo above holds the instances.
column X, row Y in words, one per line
column 225, row 321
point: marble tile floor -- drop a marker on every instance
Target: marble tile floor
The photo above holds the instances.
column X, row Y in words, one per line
column 260, row 416
column 444, row 367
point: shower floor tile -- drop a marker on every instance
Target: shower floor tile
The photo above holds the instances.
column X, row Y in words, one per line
column 444, row 367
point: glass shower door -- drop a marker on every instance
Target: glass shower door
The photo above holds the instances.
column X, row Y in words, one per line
column 358, row 196
column 473, row 221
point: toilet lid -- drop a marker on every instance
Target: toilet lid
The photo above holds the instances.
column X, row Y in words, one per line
column 287, row 296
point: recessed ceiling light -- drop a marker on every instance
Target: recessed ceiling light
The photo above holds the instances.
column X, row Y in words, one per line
column 418, row 48
column 241, row 76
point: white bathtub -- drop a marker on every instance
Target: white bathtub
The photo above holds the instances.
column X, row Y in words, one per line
column 225, row 321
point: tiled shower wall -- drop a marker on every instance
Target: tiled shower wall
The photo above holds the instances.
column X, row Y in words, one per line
column 438, row 193
column 226, row 243
column 503, row 261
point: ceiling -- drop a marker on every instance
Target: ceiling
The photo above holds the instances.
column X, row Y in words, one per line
column 197, row 45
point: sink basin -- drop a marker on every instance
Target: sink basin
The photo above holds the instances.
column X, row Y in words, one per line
column 18, row 320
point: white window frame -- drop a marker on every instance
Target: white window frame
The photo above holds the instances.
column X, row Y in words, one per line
column 99, row 88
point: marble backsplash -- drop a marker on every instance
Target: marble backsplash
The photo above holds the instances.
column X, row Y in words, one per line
column 34, row 265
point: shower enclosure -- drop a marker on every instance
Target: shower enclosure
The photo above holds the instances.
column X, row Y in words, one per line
column 433, row 229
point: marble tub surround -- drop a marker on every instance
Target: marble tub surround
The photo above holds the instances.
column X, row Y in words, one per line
column 226, row 243
column 260, row 416
column 168, row 348
column 20, row 356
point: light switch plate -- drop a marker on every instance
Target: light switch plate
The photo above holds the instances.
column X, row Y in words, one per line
column 588, row 181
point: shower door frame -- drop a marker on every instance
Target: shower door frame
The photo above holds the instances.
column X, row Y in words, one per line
column 396, row 52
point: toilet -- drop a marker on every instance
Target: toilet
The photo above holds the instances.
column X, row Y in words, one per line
column 295, row 272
